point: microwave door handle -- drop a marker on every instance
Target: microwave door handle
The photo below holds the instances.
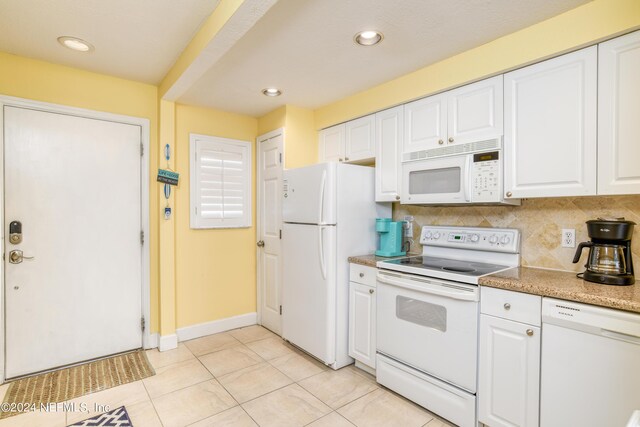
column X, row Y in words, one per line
column 466, row 183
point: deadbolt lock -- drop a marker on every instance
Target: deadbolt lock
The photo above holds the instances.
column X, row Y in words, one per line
column 15, row 232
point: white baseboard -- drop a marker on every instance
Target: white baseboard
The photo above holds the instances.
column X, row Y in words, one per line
column 168, row 342
column 152, row 342
column 216, row 326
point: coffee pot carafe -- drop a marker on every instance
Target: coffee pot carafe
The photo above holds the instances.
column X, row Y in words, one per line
column 609, row 260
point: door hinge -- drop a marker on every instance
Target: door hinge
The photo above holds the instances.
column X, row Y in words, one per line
column 281, row 234
column 142, row 237
column 280, row 157
column 141, row 149
column 281, row 310
column 142, row 323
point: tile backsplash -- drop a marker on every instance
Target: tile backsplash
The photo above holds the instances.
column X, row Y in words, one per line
column 540, row 222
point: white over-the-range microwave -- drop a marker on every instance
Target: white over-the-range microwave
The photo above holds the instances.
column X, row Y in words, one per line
column 455, row 175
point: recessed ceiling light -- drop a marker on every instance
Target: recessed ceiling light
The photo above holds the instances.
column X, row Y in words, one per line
column 271, row 91
column 368, row 38
column 75, row 43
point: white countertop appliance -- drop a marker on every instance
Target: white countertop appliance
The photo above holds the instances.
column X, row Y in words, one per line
column 329, row 214
column 590, row 365
column 427, row 316
column 455, row 174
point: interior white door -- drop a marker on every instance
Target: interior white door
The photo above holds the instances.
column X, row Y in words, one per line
column 75, row 185
column 269, row 234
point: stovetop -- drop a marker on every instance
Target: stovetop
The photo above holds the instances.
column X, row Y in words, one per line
column 464, row 268
column 461, row 254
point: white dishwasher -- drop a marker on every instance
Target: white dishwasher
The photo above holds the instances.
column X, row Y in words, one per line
column 590, row 374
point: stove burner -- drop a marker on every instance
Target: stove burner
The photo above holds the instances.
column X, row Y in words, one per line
column 459, row 269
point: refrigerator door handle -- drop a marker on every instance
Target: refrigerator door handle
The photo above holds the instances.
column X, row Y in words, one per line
column 323, row 181
column 323, row 266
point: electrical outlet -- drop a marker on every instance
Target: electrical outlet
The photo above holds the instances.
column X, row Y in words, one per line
column 408, row 226
column 568, row 238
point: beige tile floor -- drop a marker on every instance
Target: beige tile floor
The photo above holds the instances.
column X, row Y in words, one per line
column 245, row 377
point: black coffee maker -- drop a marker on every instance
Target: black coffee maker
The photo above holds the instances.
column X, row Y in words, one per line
column 609, row 260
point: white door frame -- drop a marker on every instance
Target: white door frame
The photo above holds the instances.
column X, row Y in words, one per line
column 144, row 182
column 268, row 135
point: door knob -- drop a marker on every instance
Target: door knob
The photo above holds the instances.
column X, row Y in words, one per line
column 16, row 257
column 260, row 243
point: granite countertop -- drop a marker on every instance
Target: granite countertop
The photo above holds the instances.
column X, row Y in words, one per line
column 565, row 285
column 371, row 259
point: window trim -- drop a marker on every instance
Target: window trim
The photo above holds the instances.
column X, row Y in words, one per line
column 196, row 221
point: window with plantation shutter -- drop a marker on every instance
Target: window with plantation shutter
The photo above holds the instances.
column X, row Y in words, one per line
column 220, row 182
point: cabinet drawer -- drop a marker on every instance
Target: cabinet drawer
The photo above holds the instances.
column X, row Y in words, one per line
column 511, row 305
column 363, row 274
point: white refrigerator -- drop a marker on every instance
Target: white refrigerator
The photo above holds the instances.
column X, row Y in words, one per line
column 329, row 214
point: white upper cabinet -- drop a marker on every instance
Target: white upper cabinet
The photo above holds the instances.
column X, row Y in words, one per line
column 550, row 127
column 425, row 123
column 332, row 144
column 475, row 112
column 360, row 143
column 352, row 142
column 619, row 115
column 467, row 114
column 389, row 127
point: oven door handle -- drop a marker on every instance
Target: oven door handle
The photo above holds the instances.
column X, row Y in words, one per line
column 428, row 287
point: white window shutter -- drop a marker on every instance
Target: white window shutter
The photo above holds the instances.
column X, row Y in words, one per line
column 220, row 182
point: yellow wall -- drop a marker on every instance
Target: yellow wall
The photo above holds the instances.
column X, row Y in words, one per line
column 578, row 27
column 215, row 269
column 273, row 120
column 42, row 81
column 301, row 138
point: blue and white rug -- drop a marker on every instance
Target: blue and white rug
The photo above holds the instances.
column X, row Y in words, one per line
column 116, row 418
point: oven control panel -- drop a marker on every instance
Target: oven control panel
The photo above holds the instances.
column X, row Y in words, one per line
column 475, row 238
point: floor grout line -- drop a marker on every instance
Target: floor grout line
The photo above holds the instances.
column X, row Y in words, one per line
column 153, row 405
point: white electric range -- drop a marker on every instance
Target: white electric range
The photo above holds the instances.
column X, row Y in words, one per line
column 427, row 316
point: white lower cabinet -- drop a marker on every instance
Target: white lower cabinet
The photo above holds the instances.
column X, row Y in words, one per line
column 509, row 360
column 362, row 317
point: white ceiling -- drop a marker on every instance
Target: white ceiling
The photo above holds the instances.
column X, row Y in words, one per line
column 134, row 39
column 305, row 47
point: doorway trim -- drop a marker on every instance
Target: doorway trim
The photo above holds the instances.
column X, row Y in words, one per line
column 144, row 200
column 259, row 139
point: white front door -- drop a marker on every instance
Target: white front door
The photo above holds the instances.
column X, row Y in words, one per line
column 74, row 184
column 269, row 229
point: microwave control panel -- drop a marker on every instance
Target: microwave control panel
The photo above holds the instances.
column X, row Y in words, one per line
column 486, row 176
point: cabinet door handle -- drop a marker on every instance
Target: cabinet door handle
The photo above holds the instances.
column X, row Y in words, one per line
column 450, row 139
column 530, row 332
column 370, row 291
column 346, row 159
column 361, row 274
column 440, row 142
column 397, row 197
column 507, row 306
column 509, row 193
column 340, row 160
